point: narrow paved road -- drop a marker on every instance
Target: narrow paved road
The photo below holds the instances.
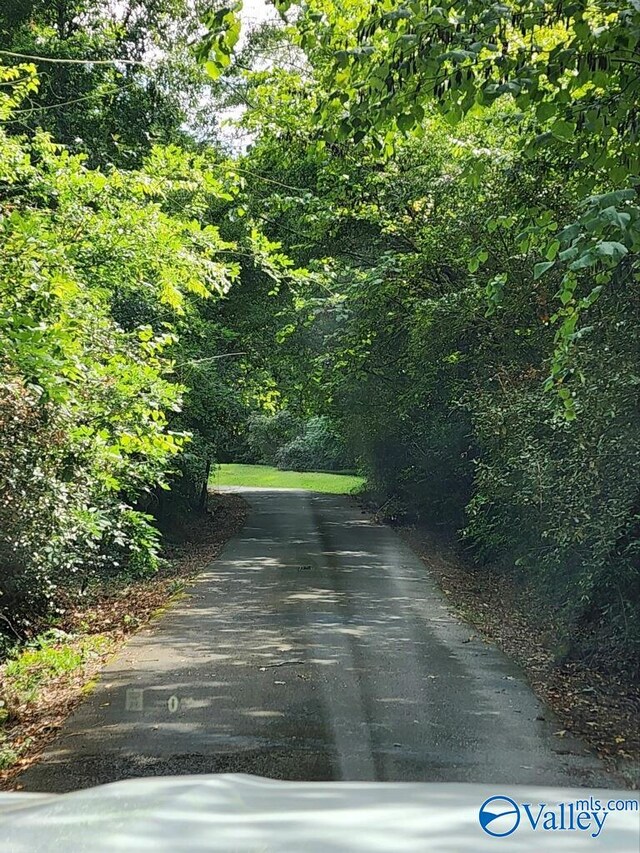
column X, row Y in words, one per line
column 316, row 647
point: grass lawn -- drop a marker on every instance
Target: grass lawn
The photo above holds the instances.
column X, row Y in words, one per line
column 271, row 478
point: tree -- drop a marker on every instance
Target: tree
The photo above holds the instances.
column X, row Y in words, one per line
column 115, row 79
column 428, row 325
column 94, row 270
column 571, row 68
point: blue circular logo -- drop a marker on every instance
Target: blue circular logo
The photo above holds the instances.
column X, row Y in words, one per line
column 499, row 816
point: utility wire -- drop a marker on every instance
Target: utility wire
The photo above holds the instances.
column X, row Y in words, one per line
column 60, row 61
column 102, row 94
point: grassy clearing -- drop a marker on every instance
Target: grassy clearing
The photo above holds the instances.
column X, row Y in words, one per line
column 263, row 476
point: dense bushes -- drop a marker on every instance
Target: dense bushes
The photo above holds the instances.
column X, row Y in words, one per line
column 463, row 322
column 288, row 441
column 317, row 448
column 436, row 313
column 558, row 502
column 116, row 387
column 267, row 434
column 455, row 426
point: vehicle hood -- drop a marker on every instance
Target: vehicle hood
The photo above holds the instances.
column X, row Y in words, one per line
column 248, row 814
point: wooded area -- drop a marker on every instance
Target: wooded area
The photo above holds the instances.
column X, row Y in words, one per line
column 415, row 256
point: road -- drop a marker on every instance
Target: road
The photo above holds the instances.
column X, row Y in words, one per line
column 316, row 647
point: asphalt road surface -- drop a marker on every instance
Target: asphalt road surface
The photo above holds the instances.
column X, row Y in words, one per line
column 316, row 647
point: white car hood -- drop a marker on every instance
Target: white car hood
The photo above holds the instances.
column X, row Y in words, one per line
column 247, row 814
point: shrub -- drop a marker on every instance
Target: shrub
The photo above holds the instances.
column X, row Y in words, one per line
column 267, row 434
column 317, row 448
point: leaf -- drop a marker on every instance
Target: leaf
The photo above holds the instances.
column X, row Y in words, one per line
column 582, row 262
column 563, row 129
column 617, row 217
column 612, row 198
column 405, row 122
column 568, row 254
column 568, row 234
column 213, row 69
column 545, row 110
column 613, row 250
column 552, row 251
column 541, row 268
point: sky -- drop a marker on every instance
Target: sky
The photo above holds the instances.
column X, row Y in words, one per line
column 256, row 11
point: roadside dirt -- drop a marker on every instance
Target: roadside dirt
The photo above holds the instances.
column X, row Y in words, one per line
column 114, row 614
column 602, row 709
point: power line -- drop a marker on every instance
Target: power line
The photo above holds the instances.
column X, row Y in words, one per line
column 97, row 94
column 242, row 171
column 60, row 61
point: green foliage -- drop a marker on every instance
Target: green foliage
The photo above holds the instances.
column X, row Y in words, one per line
column 292, row 443
column 134, row 96
column 435, row 224
column 87, row 391
column 267, row 434
column 50, row 659
column 17, row 83
column 47, row 657
column 571, row 70
column 435, row 311
column 8, row 754
column 116, row 386
column 223, row 32
column 317, row 448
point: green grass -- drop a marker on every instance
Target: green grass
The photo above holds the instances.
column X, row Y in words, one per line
column 50, row 657
column 271, row 478
column 8, row 754
column 53, row 658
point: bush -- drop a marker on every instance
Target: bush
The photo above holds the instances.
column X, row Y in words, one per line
column 558, row 502
column 267, row 434
column 317, row 448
